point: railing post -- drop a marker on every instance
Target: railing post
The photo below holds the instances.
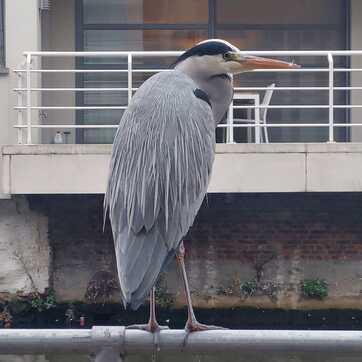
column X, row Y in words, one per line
column 331, row 97
column 257, row 121
column 230, row 120
column 20, row 111
column 129, row 77
column 28, row 98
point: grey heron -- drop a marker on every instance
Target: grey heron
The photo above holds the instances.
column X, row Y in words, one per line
column 161, row 162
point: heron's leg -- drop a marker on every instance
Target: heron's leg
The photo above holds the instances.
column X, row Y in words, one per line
column 192, row 325
column 152, row 325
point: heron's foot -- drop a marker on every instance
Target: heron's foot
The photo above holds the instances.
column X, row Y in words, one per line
column 195, row 326
column 151, row 327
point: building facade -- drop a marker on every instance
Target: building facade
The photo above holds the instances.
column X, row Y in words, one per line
column 280, row 212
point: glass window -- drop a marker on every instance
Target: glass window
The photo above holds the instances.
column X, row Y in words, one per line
column 147, row 12
column 310, row 25
column 103, row 40
column 2, row 35
column 279, row 12
column 257, row 25
column 95, row 40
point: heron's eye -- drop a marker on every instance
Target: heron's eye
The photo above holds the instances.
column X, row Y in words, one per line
column 227, row 56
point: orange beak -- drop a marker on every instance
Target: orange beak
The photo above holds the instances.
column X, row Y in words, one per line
column 248, row 62
column 251, row 62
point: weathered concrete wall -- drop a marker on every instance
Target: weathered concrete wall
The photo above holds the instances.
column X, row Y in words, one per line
column 22, row 32
column 296, row 236
column 24, row 249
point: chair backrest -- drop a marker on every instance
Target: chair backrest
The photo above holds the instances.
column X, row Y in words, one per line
column 266, row 101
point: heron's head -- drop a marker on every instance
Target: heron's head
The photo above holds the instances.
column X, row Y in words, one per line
column 217, row 56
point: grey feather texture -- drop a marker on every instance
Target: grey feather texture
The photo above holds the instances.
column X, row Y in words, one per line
column 160, row 167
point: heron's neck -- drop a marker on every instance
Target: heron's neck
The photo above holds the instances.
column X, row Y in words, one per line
column 218, row 88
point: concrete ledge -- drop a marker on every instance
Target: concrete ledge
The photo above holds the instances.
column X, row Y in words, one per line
column 59, row 169
column 220, row 148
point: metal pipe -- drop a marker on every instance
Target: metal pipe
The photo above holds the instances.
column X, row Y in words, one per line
column 126, row 341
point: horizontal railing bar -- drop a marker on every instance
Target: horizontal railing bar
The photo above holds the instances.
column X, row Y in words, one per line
column 251, row 106
column 277, row 125
column 176, row 53
column 128, row 341
column 92, row 70
column 234, row 125
column 134, row 89
column 73, row 89
column 71, row 108
column 68, row 126
column 298, row 106
column 293, row 88
column 297, row 70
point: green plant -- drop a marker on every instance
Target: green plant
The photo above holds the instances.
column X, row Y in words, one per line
column 248, row 288
column 43, row 301
column 314, row 288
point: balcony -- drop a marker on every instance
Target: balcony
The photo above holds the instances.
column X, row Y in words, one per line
column 314, row 123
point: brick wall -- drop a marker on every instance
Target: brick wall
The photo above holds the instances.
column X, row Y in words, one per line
column 280, row 239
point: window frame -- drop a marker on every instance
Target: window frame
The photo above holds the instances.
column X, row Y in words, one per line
column 2, row 39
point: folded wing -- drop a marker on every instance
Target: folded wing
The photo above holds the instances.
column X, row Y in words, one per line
column 160, row 167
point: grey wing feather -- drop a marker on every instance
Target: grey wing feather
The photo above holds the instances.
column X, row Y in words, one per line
column 160, row 167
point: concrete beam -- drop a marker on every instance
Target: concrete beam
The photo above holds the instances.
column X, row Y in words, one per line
column 83, row 169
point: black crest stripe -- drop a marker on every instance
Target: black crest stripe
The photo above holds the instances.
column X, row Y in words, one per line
column 208, row 48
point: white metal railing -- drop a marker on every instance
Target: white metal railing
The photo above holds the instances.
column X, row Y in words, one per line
column 27, row 104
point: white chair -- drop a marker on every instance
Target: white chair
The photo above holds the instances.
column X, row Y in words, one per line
column 263, row 113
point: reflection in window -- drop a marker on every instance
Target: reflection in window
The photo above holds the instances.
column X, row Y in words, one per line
column 279, row 12
column 148, row 12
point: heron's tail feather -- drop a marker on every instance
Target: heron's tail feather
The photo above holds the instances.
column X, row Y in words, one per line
column 140, row 259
